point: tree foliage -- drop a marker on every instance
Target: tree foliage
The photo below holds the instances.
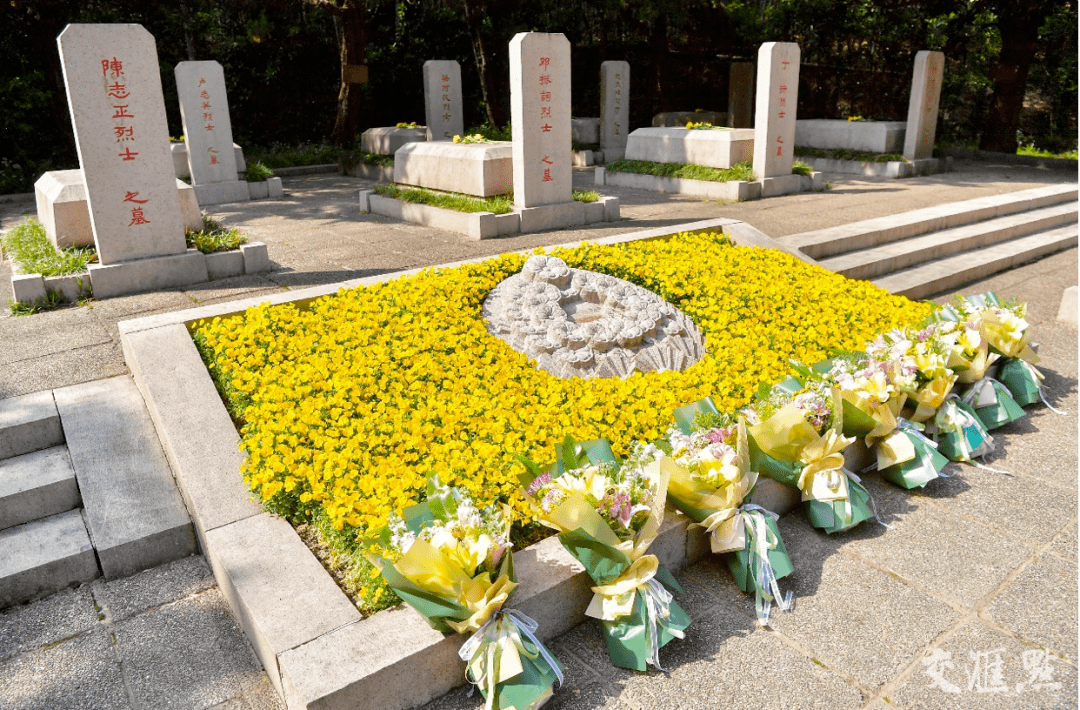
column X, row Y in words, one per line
column 1011, row 68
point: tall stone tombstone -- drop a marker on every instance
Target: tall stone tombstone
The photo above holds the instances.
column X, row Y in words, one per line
column 614, row 115
column 923, row 106
column 741, row 95
column 442, row 99
column 777, row 99
column 204, row 110
column 118, row 112
column 540, row 114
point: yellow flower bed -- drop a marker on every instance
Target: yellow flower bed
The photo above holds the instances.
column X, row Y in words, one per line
column 350, row 405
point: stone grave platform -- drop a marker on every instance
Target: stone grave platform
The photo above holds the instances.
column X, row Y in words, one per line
column 863, row 136
column 479, row 169
column 681, row 118
column 716, row 148
column 731, row 191
column 62, row 208
column 385, row 140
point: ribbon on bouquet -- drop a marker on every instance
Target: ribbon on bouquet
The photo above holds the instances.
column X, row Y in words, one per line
column 727, row 531
column 616, row 599
column 955, row 421
column 930, row 397
column 823, row 476
column 493, row 654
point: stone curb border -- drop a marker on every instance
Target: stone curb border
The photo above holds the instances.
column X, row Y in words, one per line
column 732, row 191
column 890, row 169
column 315, row 648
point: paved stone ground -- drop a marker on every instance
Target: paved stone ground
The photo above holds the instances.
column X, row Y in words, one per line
column 317, row 235
column 982, row 566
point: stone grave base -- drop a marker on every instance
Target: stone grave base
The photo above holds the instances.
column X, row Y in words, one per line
column 585, row 158
column 716, row 148
column 127, row 277
column 732, row 191
column 488, row 225
column 891, row 169
column 180, row 163
column 62, row 208
column 217, row 193
column 865, row 136
column 321, row 653
column 386, row 140
column 378, row 173
column 176, row 270
column 270, row 187
column 479, row 169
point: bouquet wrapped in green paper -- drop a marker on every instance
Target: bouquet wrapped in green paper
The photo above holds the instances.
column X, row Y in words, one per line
column 990, row 399
column 873, row 392
column 712, row 485
column 796, row 438
column 452, row 563
column 959, row 434
column 607, row 514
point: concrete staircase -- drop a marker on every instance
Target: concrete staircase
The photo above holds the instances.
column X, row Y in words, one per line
column 921, row 253
column 85, row 490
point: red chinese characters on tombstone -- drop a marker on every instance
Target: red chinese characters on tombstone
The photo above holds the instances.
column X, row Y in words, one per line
column 114, row 65
column 127, row 154
column 130, row 197
column 137, row 217
column 547, row 176
column 118, row 90
column 124, row 133
column 213, row 155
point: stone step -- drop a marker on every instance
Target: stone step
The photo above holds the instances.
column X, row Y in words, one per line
column 872, row 232
column 134, row 512
column 37, row 485
column 29, row 423
column 45, row 556
column 893, row 256
column 954, row 271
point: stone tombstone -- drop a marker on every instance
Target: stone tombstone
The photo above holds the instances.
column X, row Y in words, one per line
column 442, row 99
column 777, row 99
column 117, row 110
column 540, row 114
column 741, row 95
column 614, row 98
column 204, row 110
column 923, row 106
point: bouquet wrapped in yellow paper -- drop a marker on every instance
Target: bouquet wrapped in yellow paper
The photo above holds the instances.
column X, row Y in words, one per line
column 452, row 562
column 607, row 514
column 712, row 485
column 796, row 438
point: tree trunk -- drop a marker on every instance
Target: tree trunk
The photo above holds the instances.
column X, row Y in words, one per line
column 350, row 96
column 1019, row 41
column 474, row 12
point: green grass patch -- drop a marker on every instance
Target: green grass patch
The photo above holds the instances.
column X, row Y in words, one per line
column 27, row 246
column 844, row 154
column 1034, row 152
column 686, row 171
column 500, row 204
column 257, row 172
column 287, row 156
column 214, row 237
column 798, row 167
column 492, row 133
column 586, row 196
column 53, row 300
column 578, row 147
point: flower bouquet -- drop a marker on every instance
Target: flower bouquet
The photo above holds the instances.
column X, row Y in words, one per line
column 990, row 399
column 873, row 392
column 795, row 438
column 453, row 564
column 607, row 515
column 712, row 485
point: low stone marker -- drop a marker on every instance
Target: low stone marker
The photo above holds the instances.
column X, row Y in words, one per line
column 118, row 113
column 740, row 95
column 923, row 106
column 614, row 116
column 774, row 125
column 717, row 148
column 204, row 110
column 385, row 140
column 442, row 99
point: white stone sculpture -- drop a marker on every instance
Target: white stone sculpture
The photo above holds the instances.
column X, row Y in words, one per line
column 578, row 323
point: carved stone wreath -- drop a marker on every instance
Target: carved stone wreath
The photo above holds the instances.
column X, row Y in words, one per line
column 578, row 323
